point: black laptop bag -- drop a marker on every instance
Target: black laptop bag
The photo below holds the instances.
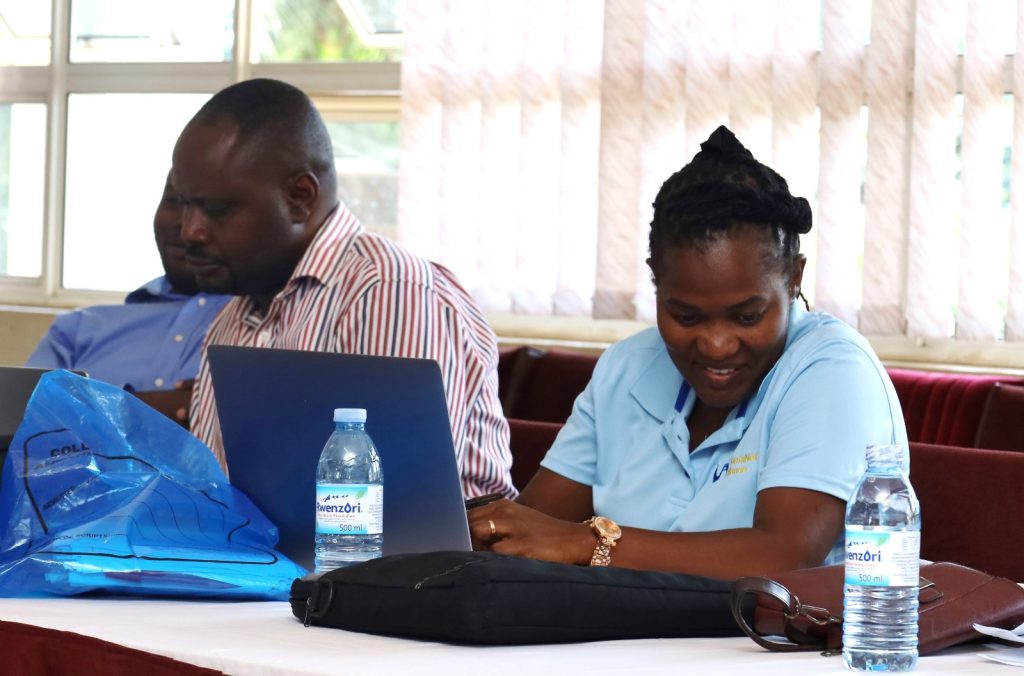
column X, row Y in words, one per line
column 487, row 598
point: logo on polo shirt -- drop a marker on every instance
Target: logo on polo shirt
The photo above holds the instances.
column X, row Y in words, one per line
column 736, row 465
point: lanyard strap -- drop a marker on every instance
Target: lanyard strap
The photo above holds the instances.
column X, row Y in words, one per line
column 684, row 392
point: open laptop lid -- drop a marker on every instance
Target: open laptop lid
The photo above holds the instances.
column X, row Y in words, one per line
column 16, row 386
column 276, row 412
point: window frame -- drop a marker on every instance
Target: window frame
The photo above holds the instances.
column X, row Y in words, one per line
column 356, row 91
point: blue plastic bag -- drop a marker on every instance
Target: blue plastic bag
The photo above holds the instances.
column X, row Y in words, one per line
column 101, row 492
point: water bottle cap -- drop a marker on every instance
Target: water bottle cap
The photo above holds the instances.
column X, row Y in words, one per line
column 885, row 455
column 350, row 415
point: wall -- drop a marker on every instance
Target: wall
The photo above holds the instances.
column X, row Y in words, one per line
column 20, row 330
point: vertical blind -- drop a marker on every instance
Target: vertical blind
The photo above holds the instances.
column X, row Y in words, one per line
column 536, row 134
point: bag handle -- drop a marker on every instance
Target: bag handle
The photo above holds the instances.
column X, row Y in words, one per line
column 791, row 609
column 314, row 611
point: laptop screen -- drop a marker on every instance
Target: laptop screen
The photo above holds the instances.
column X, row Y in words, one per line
column 16, row 386
column 276, row 413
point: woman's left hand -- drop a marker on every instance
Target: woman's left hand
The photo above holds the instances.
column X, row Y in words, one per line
column 507, row 527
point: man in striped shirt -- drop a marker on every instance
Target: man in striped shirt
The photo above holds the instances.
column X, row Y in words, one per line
column 262, row 221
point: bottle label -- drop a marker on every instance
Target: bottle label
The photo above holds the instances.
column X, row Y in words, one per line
column 349, row 509
column 881, row 558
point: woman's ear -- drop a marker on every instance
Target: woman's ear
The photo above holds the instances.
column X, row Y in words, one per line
column 654, row 273
column 796, row 277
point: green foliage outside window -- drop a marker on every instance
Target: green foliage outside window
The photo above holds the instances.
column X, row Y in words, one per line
column 318, row 30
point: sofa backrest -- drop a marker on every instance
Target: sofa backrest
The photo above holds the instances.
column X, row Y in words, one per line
column 951, row 409
column 543, row 384
column 970, row 506
column 945, row 408
column 1000, row 426
column 530, row 441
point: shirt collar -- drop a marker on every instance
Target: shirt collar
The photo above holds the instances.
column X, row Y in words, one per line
column 684, row 398
column 797, row 314
column 158, row 289
column 319, row 262
column 794, row 329
column 658, row 386
column 336, row 234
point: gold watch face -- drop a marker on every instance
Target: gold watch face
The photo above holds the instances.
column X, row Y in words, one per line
column 607, row 528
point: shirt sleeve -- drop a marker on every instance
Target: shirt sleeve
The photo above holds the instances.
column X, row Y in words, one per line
column 400, row 318
column 203, row 420
column 56, row 350
column 830, row 412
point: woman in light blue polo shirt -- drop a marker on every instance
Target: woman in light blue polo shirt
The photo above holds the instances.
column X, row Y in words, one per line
column 726, row 441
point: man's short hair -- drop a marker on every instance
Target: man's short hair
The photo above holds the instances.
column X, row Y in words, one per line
column 274, row 115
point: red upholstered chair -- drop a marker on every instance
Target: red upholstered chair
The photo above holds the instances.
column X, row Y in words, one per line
column 506, row 359
column 943, row 408
column 529, row 441
column 1001, row 425
column 970, row 507
column 555, row 381
column 516, row 367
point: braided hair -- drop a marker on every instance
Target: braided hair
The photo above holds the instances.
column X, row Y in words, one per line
column 722, row 187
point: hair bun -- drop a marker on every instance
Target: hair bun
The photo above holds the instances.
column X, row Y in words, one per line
column 793, row 213
column 724, row 143
column 802, row 217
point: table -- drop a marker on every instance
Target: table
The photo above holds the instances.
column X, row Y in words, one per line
column 264, row 638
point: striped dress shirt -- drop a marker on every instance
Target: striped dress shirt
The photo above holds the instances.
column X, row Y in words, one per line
column 356, row 292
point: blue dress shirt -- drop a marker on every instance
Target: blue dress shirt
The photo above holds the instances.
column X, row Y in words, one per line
column 150, row 342
column 807, row 426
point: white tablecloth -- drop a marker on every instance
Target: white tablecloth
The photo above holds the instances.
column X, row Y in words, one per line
column 264, row 638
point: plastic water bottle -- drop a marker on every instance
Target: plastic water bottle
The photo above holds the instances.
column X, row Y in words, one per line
column 349, row 495
column 883, row 546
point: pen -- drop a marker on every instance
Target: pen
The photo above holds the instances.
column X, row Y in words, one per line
column 481, row 500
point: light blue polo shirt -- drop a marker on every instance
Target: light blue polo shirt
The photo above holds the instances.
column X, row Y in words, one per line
column 807, row 426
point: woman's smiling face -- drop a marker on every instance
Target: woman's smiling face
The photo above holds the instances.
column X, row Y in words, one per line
column 723, row 310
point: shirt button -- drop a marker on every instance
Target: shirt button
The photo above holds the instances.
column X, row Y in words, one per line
column 264, row 337
column 159, row 382
column 201, row 301
column 178, row 338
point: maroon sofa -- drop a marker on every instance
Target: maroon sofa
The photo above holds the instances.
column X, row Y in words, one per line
column 535, row 384
column 970, row 506
column 960, row 410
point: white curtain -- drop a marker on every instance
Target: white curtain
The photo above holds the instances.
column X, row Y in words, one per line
column 536, row 133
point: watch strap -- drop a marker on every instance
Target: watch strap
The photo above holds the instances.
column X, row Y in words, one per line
column 603, row 551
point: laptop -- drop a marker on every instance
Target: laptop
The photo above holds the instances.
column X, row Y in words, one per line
column 276, row 411
column 16, row 386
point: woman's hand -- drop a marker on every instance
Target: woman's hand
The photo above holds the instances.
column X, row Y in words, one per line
column 793, row 528
column 506, row 527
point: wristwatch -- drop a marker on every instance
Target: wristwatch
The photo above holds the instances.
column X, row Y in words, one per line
column 607, row 533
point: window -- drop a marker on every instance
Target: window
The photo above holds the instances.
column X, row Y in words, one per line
column 24, row 33
column 366, row 159
column 88, row 120
column 128, row 31
column 290, row 31
column 22, row 135
column 108, row 211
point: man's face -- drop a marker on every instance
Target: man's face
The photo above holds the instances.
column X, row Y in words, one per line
column 167, row 231
column 243, row 228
